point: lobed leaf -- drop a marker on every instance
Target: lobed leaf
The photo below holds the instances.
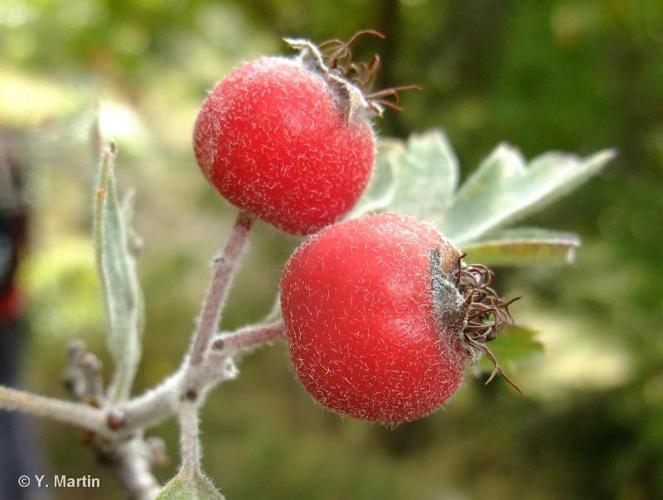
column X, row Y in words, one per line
column 419, row 177
column 381, row 190
column 523, row 247
column 415, row 178
column 503, row 189
column 116, row 265
column 428, row 177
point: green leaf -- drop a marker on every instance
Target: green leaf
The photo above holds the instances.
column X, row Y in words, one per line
column 503, row 189
column 134, row 247
column 116, row 265
column 523, row 247
column 417, row 178
column 428, row 175
column 382, row 188
column 515, row 344
column 190, row 487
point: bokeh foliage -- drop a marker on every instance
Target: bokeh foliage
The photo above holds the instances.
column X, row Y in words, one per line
column 576, row 75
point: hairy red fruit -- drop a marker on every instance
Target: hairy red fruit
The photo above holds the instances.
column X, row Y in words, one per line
column 279, row 138
column 372, row 330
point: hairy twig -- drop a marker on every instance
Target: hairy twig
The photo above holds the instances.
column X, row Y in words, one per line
column 130, row 455
column 119, row 429
column 134, row 469
column 78, row 414
column 83, row 376
column 190, row 439
column 152, row 407
column 224, row 267
column 247, row 338
column 157, row 404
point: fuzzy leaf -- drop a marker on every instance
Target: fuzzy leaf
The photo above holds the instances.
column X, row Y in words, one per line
column 417, row 178
column 503, row 189
column 116, row 265
column 382, row 188
column 428, row 175
column 515, row 344
column 187, row 487
column 523, row 247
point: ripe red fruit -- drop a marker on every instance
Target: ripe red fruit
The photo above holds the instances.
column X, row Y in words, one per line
column 359, row 310
column 381, row 317
column 287, row 140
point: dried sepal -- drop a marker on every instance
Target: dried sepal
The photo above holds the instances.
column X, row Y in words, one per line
column 334, row 59
column 486, row 313
column 466, row 306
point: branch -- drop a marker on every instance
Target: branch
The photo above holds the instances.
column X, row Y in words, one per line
column 224, row 267
column 160, row 403
column 247, row 338
column 83, row 375
column 72, row 413
column 153, row 406
column 134, row 469
column 190, row 439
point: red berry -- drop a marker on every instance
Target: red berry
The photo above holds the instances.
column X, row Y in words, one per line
column 287, row 141
column 373, row 319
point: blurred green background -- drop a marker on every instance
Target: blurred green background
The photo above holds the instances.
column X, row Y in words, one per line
column 571, row 75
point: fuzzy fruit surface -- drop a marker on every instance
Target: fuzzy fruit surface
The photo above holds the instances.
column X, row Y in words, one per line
column 360, row 319
column 274, row 140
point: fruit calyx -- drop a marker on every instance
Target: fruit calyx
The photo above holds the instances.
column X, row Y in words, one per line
column 486, row 313
column 468, row 306
column 353, row 80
